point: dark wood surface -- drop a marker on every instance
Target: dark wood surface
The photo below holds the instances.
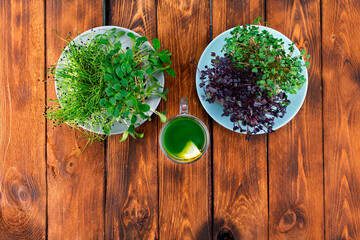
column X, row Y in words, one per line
column 301, row 182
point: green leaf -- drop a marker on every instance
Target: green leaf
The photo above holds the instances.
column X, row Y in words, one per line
column 129, row 53
column 118, row 96
column 120, row 34
column 149, row 70
column 308, row 56
column 124, row 93
column 117, row 46
column 143, row 107
column 104, row 103
column 256, row 21
column 133, row 119
column 124, row 82
column 109, row 70
column 108, row 77
column 124, row 136
column 303, row 52
column 128, row 69
column 109, row 91
column 123, row 68
column 131, row 129
column 139, row 135
column 112, row 101
column 116, row 113
column 156, row 44
column 139, row 73
column 117, row 87
column 131, row 102
column 162, row 117
column 164, row 58
column 110, row 111
column 141, row 39
column 162, row 96
column 131, row 35
column 103, row 41
column 171, row 72
column 254, row 70
column 116, row 60
column 126, row 112
column 119, row 72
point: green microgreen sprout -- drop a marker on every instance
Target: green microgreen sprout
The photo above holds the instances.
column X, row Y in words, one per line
column 265, row 54
column 100, row 83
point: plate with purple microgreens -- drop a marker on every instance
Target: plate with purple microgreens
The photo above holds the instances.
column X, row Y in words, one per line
column 252, row 79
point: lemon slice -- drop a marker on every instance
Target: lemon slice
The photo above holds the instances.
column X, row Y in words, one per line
column 190, row 151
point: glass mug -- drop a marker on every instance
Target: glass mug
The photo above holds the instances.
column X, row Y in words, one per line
column 184, row 138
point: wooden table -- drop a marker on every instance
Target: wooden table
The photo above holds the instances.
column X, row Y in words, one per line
column 301, row 182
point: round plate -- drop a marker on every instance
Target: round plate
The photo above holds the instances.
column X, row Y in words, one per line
column 215, row 110
column 152, row 101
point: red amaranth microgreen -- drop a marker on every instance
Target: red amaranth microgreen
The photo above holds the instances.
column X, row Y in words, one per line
column 248, row 105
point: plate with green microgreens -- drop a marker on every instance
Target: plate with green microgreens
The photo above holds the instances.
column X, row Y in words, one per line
column 252, row 79
column 109, row 80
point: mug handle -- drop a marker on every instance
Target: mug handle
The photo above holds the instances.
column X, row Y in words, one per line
column 184, row 105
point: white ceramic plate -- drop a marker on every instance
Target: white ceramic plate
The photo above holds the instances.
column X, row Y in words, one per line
column 153, row 101
column 215, row 110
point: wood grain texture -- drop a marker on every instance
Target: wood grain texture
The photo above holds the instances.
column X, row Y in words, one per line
column 75, row 183
column 341, row 74
column 295, row 150
column 22, row 129
column 132, row 187
column 240, row 166
column 184, row 190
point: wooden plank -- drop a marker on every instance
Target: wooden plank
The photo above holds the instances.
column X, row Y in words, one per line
column 184, row 190
column 341, row 68
column 22, row 129
column 240, row 197
column 75, row 183
column 132, row 187
column 295, row 150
